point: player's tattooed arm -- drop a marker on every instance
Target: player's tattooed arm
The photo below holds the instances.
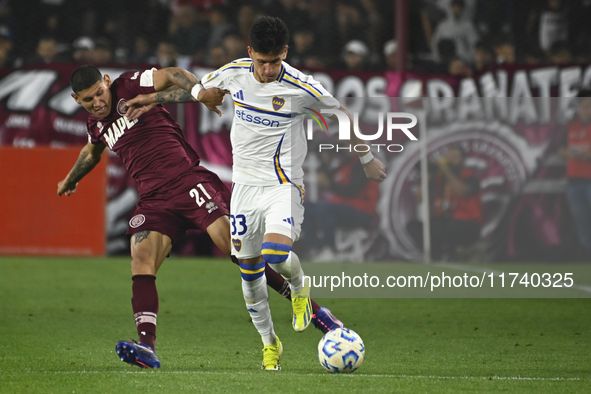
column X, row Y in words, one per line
column 211, row 98
column 139, row 105
column 181, row 78
column 89, row 157
column 83, row 166
column 173, row 94
column 143, row 103
column 175, row 85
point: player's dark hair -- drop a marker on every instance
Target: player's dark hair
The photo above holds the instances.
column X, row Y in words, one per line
column 84, row 77
column 586, row 92
column 268, row 35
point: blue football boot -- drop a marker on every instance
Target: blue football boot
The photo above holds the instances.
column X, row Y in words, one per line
column 138, row 354
column 325, row 321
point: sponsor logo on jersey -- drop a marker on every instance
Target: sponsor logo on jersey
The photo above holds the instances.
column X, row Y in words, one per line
column 120, row 107
column 237, row 244
column 117, row 129
column 278, row 103
column 239, row 95
column 243, row 115
column 137, row 221
column 210, row 206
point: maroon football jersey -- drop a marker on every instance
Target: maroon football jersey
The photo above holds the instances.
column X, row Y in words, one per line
column 153, row 147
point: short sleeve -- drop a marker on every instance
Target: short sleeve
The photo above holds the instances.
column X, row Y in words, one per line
column 147, row 78
column 93, row 140
column 312, row 93
column 138, row 82
column 214, row 79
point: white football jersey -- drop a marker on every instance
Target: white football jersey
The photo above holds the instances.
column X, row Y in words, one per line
column 268, row 139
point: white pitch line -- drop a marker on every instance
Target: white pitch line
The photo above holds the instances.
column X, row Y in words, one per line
column 348, row 375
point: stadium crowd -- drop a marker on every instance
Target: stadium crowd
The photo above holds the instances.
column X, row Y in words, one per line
column 456, row 37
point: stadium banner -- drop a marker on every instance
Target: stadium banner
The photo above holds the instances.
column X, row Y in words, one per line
column 510, row 141
column 35, row 221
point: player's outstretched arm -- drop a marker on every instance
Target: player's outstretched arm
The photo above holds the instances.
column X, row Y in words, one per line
column 89, row 157
column 372, row 166
column 187, row 81
column 175, row 85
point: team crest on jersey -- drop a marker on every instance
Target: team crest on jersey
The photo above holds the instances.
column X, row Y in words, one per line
column 137, row 221
column 122, row 111
column 237, row 244
column 278, row 103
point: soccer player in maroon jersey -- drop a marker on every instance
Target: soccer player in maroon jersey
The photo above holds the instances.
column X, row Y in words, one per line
column 176, row 193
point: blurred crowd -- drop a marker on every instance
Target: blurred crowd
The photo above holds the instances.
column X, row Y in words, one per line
column 457, row 37
column 462, row 37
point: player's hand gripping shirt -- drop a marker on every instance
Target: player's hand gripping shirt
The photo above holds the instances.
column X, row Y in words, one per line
column 268, row 139
column 153, row 147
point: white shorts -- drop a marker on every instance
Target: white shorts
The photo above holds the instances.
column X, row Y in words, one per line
column 259, row 210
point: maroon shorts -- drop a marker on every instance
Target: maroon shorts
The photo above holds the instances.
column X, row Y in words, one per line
column 194, row 200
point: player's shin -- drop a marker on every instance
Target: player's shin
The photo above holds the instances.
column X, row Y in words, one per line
column 283, row 260
column 276, row 282
column 144, row 302
column 256, row 296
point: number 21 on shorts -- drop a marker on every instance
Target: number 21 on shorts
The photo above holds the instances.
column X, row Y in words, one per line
column 238, row 223
column 197, row 196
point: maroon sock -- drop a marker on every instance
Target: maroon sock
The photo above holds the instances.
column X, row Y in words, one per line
column 277, row 282
column 315, row 306
column 144, row 302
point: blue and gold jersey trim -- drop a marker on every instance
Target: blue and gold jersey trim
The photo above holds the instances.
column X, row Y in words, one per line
column 246, row 64
column 261, row 110
column 281, row 73
column 281, row 175
column 301, row 190
column 305, row 86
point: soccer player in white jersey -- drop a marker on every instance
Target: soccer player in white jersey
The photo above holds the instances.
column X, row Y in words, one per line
column 269, row 148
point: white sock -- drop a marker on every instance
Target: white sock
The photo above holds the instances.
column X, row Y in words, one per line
column 256, row 297
column 291, row 270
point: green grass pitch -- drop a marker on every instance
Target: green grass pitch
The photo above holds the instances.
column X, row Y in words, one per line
column 60, row 320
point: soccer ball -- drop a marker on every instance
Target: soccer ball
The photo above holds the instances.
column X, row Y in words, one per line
column 341, row 351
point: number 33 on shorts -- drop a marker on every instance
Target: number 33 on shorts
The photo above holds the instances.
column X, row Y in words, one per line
column 238, row 223
column 237, row 228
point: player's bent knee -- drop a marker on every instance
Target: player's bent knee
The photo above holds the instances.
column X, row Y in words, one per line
column 275, row 253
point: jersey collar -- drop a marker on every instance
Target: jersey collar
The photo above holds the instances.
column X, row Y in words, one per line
column 281, row 73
